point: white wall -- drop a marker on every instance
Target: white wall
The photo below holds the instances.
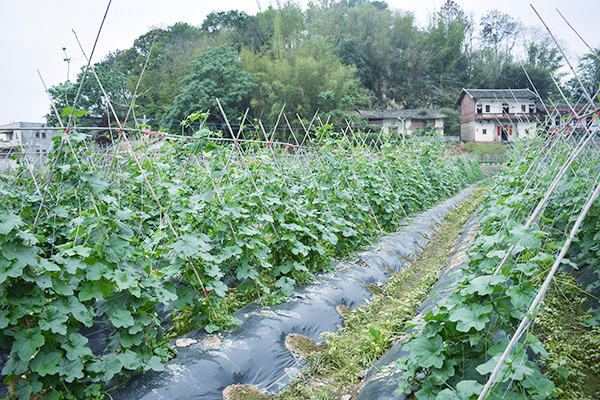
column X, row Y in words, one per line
column 514, row 106
column 489, row 136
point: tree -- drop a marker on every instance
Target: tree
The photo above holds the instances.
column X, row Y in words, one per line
column 112, row 74
column 216, row 73
column 542, row 61
column 448, row 66
column 588, row 71
column 171, row 53
column 306, row 80
column 498, row 28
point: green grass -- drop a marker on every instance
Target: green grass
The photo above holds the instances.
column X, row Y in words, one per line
column 481, row 149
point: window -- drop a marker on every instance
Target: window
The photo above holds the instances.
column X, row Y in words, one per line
column 485, row 131
column 37, row 134
column 393, row 129
column 487, row 108
column 43, row 135
column 505, row 108
column 531, row 108
column 479, row 109
column 523, row 108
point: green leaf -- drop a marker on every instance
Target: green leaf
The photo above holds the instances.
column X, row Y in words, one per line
column 53, row 320
column 540, row 384
column 27, row 386
column 218, row 287
column 46, row 363
column 94, row 181
column 10, row 269
column 128, row 340
column 467, row 317
column 23, row 254
column 122, row 319
column 71, row 369
column 61, row 287
column 117, row 249
column 76, row 347
column 73, row 264
column 95, row 271
column 48, row 265
column 91, row 290
column 189, row 245
column 79, row 250
column 286, row 285
column 8, row 222
column 155, row 364
column 484, row 284
column 488, row 367
column 465, row 390
column 428, row 351
column 246, row 272
column 527, row 269
column 124, row 280
column 3, row 320
column 130, row 360
column 27, row 343
column 524, row 237
column 112, row 366
column 14, row 365
column 521, row 294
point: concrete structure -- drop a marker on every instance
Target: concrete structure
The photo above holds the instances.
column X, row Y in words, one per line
column 569, row 119
column 497, row 115
column 24, row 139
column 405, row 122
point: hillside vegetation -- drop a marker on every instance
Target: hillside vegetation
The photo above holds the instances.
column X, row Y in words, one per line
column 331, row 57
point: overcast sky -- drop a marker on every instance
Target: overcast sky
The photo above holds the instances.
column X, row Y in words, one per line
column 33, row 33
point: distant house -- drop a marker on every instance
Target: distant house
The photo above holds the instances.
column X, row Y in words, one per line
column 25, row 139
column 405, row 122
column 569, row 118
column 497, row 115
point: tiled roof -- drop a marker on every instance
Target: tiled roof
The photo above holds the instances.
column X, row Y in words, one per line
column 403, row 114
column 498, row 94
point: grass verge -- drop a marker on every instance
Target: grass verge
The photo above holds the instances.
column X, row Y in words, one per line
column 572, row 340
column 487, row 148
column 370, row 330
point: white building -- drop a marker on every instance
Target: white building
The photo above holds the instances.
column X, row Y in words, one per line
column 24, row 139
column 497, row 115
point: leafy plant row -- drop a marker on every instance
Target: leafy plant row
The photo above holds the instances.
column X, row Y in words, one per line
column 461, row 341
column 125, row 244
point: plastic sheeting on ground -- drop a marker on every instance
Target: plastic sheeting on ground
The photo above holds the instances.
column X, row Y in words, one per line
column 255, row 352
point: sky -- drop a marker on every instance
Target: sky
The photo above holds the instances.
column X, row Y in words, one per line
column 34, row 32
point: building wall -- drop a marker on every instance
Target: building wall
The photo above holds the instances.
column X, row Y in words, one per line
column 495, row 106
column 409, row 125
column 417, row 124
column 467, row 131
column 518, row 124
column 467, row 109
column 28, row 138
column 484, row 131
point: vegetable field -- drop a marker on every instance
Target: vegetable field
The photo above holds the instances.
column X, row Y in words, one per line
column 494, row 338
column 107, row 253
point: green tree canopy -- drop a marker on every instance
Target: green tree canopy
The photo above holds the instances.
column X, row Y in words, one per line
column 216, row 73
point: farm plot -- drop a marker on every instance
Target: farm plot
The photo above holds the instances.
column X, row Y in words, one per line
column 106, row 255
column 519, row 326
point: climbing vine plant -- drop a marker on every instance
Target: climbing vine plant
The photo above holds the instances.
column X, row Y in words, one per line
column 460, row 342
column 106, row 250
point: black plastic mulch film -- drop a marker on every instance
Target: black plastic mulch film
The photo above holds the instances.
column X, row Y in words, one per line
column 255, row 352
